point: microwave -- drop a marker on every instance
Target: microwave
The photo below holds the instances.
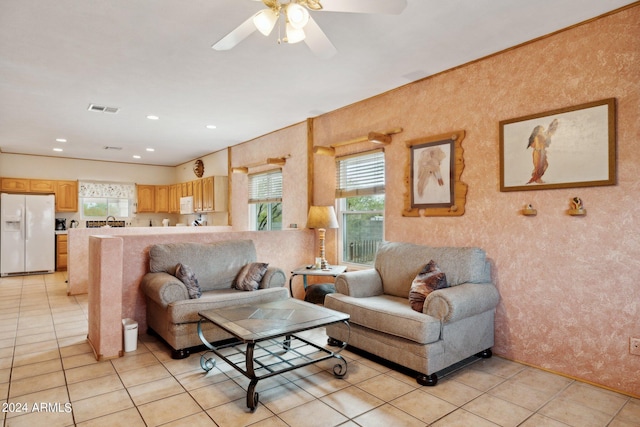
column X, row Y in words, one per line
column 186, row 205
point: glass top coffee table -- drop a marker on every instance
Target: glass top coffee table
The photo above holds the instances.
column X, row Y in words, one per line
column 266, row 342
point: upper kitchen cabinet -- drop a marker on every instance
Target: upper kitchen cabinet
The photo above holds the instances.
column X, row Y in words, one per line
column 66, row 196
column 162, row 198
column 174, row 198
column 42, row 186
column 210, row 194
column 197, row 195
column 146, row 198
column 21, row 185
column 187, row 189
column 214, row 193
column 66, row 192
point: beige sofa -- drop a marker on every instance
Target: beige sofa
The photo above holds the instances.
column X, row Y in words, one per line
column 456, row 322
column 174, row 316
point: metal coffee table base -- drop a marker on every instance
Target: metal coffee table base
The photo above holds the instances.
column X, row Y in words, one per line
column 264, row 359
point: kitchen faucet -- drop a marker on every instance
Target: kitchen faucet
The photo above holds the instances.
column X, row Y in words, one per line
column 110, row 216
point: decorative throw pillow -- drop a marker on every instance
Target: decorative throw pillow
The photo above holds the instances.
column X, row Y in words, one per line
column 250, row 276
column 428, row 280
column 188, row 277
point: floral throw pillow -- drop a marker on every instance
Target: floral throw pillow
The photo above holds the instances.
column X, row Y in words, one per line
column 428, row 280
column 250, row 276
column 188, row 277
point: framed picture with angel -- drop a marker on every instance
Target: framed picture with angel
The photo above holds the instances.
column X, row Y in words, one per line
column 569, row 147
column 432, row 176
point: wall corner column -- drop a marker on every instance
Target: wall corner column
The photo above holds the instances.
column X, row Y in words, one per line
column 106, row 259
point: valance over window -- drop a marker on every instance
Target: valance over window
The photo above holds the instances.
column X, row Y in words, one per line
column 116, row 190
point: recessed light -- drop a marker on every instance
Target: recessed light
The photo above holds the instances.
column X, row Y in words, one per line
column 211, row 126
column 151, row 149
column 57, row 149
column 153, row 117
column 137, row 157
column 61, row 140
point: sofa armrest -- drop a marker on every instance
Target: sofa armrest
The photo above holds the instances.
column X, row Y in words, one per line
column 461, row 301
column 273, row 278
column 359, row 284
column 164, row 288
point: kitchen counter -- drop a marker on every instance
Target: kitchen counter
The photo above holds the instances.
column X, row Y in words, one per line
column 78, row 248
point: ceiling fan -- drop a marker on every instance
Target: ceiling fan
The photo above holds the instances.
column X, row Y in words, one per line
column 300, row 26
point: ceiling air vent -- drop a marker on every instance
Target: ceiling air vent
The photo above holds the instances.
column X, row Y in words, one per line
column 103, row 109
column 107, row 147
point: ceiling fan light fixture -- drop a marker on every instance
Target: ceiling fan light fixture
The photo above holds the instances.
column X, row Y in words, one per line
column 265, row 20
column 294, row 35
column 297, row 16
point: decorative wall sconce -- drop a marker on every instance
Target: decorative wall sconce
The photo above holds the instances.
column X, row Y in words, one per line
column 529, row 211
column 374, row 137
column 275, row 161
column 576, row 208
column 198, row 168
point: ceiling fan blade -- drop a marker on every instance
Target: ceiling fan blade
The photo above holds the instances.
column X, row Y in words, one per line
column 318, row 41
column 388, row 7
column 241, row 32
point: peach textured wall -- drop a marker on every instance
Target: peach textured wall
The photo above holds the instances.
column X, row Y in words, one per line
column 291, row 141
column 569, row 285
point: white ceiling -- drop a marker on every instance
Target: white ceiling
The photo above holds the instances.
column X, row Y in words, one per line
column 154, row 57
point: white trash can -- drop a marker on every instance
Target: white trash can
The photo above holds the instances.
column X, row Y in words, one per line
column 130, row 334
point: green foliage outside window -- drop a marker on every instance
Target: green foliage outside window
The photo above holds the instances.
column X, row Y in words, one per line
column 269, row 216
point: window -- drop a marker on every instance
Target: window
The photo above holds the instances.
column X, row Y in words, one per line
column 101, row 199
column 265, row 201
column 360, row 193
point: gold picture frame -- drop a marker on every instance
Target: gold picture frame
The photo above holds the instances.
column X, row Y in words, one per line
column 568, row 147
column 432, row 176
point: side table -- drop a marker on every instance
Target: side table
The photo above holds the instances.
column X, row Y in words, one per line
column 322, row 288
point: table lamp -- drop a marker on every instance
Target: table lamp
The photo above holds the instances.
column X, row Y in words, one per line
column 321, row 218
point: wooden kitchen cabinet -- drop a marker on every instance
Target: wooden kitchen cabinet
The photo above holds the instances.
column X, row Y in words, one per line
column 187, row 189
column 214, row 194
column 66, row 196
column 174, row 198
column 197, row 195
column 42, row 186
column 15, row 184
column 61, row 252
column 146, row 198
column 162, row 198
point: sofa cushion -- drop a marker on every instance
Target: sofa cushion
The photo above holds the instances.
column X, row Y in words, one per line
column 186, row 275
column 387, row 314
column 428, row 280
column 250, row 276
column 186, row 311
column 398, row 263
column 216, row 265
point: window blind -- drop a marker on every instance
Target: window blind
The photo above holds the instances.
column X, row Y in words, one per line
column 265, row 187
column 360, row 175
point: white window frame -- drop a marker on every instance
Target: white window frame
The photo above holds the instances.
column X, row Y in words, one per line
column 363, row 187
column 108, row 191
column 264, row 188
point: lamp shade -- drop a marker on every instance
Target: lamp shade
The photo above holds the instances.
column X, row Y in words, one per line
column 265, row 20
column 322, row 217
column 294, row 35
column 297, row 16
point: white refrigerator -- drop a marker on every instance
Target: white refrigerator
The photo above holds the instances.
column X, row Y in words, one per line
column 27, row 234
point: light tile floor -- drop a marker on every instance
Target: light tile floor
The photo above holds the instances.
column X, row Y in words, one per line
column 49, row 377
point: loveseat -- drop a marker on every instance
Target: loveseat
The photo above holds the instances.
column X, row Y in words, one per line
column 173, row 314
column 455, row 323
